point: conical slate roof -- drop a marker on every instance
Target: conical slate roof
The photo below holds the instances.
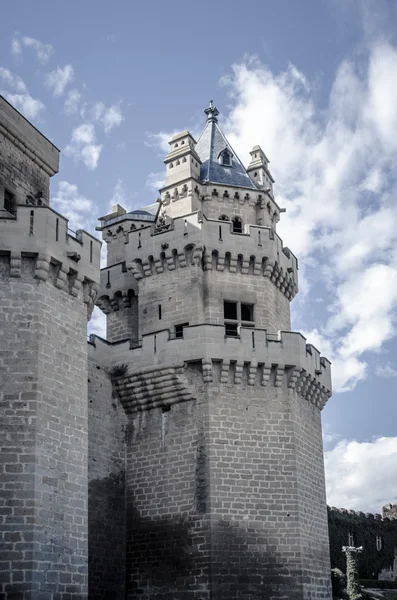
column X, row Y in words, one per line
column 210, row 146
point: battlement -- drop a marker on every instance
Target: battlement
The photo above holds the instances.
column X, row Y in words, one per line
column 116, row 287
column 194, row 239
column 345, row 512
column 259, row 357
column 28, row 139
column 42, row 233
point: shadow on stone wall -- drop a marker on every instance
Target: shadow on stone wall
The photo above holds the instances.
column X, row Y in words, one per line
column 106, row 538
column 173, row 558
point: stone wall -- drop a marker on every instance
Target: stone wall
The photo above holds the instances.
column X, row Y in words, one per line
column 44, row 437
column 106, row 487
column 217, row 503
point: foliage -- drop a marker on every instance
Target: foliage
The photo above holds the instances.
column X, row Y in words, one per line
column 118, row 371
column 381, row 585
column 364, row 529
column 353, row 586
column 339, row 582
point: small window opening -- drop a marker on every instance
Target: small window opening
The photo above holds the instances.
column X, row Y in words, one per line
column 226, row 159
column 179, row 329
column 91, row 251
column 160, row 312
column 31, row 228
column 350, row 540
column 231, row 329
column 9, row 201
column 247, row 312
column 220, row 232
column 237, row 225
column 223, row 218
column 230, row 310
column 378, row 542
column 57, row 230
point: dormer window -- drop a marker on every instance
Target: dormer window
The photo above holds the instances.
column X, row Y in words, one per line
column 225, row 158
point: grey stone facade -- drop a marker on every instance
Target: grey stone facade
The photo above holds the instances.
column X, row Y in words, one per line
column 46, row 296
column 225, row 493
column 191, row 464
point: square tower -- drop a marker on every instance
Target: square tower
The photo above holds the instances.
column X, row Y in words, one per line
column 225, row 474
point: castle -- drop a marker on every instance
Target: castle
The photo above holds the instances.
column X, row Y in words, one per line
column 180, row 458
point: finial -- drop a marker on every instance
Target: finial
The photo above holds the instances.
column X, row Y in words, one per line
column 212, row 112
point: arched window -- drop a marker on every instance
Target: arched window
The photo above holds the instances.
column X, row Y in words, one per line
column 224, row 218
column 237, row 225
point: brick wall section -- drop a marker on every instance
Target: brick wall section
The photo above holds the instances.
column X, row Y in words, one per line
column 123, row 323
column 220, row 483
column 167, row 504
column 23, row 176
column 271, row 310
column 181, row 295
column 43, row 400
column 313, row 517
column 106, row 500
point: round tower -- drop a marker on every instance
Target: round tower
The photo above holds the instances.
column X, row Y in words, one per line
column 49, row 278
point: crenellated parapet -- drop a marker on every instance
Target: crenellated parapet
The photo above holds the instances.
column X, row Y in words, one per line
column 117, row 287
column 69, row 259
column 212, row 245
column 255, row 358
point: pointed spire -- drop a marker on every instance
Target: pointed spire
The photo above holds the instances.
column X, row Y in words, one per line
column 212, row 112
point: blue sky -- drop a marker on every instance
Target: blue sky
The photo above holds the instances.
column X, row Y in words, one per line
column 313, row 82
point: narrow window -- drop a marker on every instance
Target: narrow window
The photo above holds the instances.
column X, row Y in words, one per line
column 139, row 239
column 179, row 330
column 185, row 232
column 253, row 339
column 108, row 283
column 231, row 329
column 9, row 201
column 160, row 312
column 57, row 230
column 226, row 159
column 247, row 312
column 259, row 239
column 351, row 540
column 230, row 310
column 237, row 225
column 90, row 250
column 220, row 232
column 378, row 542
column 31, row 221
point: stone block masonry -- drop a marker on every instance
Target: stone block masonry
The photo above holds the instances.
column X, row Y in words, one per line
column 221, row 499
column 106, row 487
column 44, row 439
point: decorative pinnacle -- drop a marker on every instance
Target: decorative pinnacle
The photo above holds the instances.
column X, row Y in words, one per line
column 212, row 112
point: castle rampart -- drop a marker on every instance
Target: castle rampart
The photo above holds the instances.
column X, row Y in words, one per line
column 49, row 278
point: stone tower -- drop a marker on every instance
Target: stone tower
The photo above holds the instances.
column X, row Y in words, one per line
column 49, row 278
column 224, row 463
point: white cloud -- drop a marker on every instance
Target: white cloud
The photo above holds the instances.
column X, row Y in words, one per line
column 58, row 79
column 155, row 181
column 28, row 106
column 13, row 81
column 16, row 48
column 72, row 101
column 97, row 324
column 336, row 175
column 43, row 51
column 386, row 371
column 109, row 117
column 120, row 196
column 74, row 206
column 362, row 475
column 83, row 147
column 160, row 140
